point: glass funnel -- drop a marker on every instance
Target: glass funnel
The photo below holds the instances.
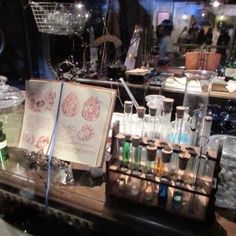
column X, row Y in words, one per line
column 196, row 98
column 11, row 111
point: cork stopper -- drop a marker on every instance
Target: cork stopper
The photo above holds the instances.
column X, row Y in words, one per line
column 121, row 138
column 141, row 112
column 152, row 110
column 183, row 160
column 208, row 119
column 135, row 140
column 166, row 155
column 180, row 110
column 128, row 107
column 151, row 152
column 168, row 105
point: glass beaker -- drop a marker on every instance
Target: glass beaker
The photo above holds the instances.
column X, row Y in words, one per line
column 196, row 98
column 11, row 111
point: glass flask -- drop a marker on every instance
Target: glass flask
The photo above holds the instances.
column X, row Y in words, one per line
column 196, row 97
column 11, row 111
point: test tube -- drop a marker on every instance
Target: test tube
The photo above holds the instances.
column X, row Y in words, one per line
column 128, row 111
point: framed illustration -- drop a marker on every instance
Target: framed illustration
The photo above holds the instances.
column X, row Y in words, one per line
column 162, row 15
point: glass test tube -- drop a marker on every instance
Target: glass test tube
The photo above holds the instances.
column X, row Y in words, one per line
column 165, row 124
column 152, row 122
column 179, row 136
column 140, row 121
column 151, row 159
column 136, row 152
column 128, row 111
column 166, row 158
column 120, row 139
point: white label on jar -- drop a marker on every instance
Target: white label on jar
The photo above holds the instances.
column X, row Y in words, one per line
column 3, row 144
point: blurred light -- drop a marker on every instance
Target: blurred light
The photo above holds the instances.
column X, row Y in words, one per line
column 221, row 17
column 184, row 16
column 79, row 5
column 216, row 3
column 203, row 14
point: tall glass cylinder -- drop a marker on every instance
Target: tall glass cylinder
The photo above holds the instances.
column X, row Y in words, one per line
column 128, row 111
column 196, row 97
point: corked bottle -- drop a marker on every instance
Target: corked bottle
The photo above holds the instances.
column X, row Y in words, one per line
column 140, row 121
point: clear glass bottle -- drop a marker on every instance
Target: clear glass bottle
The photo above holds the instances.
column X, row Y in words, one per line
column 151, row 160
column 3, row 145
column 205, row 134
column 136, row 152
column 165, row 124
column 152, row 122
column 128, row 111
column 140, row 121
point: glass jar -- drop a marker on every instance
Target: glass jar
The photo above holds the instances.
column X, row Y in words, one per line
column 11, row 111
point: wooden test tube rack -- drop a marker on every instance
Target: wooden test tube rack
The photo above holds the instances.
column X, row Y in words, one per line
column 198, row 200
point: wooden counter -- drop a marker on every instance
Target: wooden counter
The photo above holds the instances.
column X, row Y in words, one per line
column 83, row 203
column 155, row 89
